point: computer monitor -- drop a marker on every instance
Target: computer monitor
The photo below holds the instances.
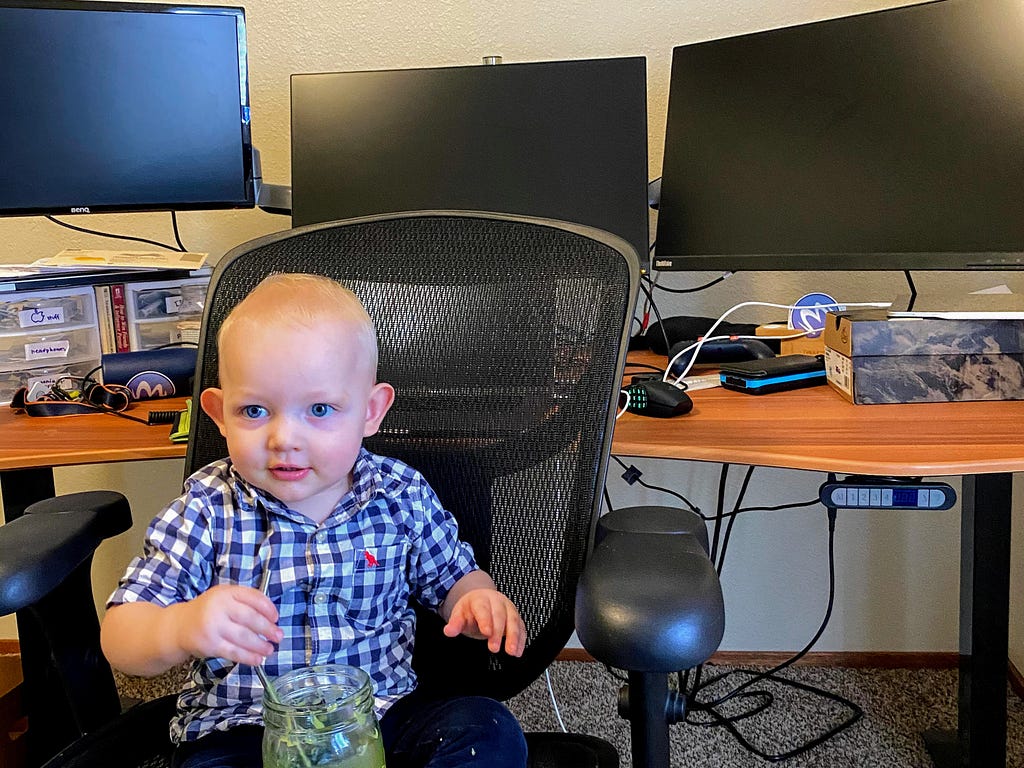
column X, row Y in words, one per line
column 112, row 106
column 562, row 139
column 892, row 140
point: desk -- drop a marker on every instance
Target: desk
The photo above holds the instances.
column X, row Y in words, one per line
column 811, row 429
column 31, row 446
column 815, row 429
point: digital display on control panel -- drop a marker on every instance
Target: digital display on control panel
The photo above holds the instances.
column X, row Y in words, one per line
column 904, row 497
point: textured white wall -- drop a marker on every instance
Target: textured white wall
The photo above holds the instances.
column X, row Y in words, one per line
column 897, row 574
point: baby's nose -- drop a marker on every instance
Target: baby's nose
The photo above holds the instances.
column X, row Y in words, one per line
column 283, row 434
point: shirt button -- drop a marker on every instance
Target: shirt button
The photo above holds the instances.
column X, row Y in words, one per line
column 321, row 536
column 320, row 598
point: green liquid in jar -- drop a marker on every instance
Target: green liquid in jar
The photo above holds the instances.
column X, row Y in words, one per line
column 323, row 719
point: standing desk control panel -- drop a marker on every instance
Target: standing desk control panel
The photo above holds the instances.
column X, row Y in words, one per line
column 885, row 493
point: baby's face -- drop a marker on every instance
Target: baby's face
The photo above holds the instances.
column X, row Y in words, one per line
column 294, row 406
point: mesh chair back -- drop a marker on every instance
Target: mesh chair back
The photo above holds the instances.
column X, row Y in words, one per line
column 504, row 338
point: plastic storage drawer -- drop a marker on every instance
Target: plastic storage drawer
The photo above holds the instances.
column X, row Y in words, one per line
column 45, row 335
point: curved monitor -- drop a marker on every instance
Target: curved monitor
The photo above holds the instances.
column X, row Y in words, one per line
column 889, row 140
column 564, row 140
column 112, row 106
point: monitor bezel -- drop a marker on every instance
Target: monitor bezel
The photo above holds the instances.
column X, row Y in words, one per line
column 780, row 260
column 249, row 169
column 629, row 66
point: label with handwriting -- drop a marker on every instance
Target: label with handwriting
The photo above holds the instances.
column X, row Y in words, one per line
column 40, row 350
column 31, row 318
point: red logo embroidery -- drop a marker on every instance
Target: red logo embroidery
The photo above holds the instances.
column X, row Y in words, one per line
column 371, row 561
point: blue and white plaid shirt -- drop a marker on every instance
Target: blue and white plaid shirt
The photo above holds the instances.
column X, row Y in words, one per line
column 342, row 589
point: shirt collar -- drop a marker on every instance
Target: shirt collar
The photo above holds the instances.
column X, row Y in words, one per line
column 367, row 482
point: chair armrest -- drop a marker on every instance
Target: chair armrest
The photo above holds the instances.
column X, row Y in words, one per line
column 42, row 547
column 649, row 599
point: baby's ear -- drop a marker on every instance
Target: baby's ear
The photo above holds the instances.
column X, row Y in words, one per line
column 212, row 401
column 381, row 397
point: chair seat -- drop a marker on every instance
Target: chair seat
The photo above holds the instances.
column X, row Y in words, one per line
column 558, row 750
column 137, row 739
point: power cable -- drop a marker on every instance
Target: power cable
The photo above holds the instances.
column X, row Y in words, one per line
column 762, row 699
column 180, row 248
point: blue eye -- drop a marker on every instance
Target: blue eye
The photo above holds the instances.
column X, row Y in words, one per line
column 254, row 411
column 321, row 409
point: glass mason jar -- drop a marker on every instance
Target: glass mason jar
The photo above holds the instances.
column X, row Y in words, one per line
column 321, row 716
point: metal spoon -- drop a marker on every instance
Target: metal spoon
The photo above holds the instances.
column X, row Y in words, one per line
column 268, row 688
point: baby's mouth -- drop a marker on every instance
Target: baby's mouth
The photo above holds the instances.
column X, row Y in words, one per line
column 288, row 472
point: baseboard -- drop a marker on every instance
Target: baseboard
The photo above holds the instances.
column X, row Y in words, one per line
column 857, row 659
column 853, row 659
column 9, row 645
column 1016, row 681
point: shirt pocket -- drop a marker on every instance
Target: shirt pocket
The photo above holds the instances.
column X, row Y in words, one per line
column 375, row 589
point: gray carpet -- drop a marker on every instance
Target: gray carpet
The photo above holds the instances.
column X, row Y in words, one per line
column 898, row 705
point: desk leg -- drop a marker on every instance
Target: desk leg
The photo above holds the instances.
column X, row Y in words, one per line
column 22, row 487
column 986, row 503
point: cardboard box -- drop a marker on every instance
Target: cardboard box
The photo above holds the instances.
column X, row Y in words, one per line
column 12, row 714
column 801, row 345
column 873, row 358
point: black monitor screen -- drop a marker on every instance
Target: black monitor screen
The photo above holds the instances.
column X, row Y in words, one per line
column 117, row 107
column 889, row 140
column 564, row 140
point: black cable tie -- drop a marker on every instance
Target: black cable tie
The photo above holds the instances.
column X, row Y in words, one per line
column 632, row 474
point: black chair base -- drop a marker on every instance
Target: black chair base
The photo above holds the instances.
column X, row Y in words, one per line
column 558, row 750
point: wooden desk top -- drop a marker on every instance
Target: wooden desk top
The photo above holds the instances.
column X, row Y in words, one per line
column 53, row 441
column 816, row 429
column 811, row 429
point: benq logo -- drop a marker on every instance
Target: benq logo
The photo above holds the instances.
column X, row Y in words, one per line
column 81, row 210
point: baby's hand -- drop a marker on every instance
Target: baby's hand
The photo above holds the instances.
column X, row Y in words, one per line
column 486, row 614
column 232, row 622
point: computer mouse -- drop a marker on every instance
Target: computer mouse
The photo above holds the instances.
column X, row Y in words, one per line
column 661, row 399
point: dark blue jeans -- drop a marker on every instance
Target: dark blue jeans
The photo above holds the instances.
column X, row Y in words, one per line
column 418, row 732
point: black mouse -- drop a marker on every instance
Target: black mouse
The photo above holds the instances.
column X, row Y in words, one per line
column 661, row 399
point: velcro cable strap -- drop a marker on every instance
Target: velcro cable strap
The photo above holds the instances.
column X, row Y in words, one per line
column 20, row 402
column 111, row 397
column 59, row 401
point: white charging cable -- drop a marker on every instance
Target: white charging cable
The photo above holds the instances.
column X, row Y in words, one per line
column 554, row 701
column 704, row 339
column 625, row 407
column 709, row 337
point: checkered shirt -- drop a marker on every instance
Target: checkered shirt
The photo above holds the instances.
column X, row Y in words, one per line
column 342, row 589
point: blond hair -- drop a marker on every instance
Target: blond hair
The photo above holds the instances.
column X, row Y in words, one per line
column 301, row 300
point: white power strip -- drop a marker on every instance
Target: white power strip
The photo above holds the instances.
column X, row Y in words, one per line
column 705, row 381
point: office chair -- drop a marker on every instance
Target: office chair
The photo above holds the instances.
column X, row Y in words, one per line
column 505, row 338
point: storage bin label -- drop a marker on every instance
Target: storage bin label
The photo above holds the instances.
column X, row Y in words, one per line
column 30, row 318
column 40, row 350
